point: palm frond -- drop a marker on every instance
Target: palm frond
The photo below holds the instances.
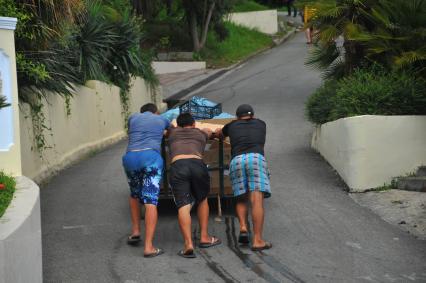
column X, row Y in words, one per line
column 3, row 102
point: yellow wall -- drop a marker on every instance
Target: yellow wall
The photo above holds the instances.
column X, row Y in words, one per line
column 95, row 121
column 10, row 160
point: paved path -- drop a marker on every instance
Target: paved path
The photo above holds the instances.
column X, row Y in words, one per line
column 319, row 233
column 172, row 83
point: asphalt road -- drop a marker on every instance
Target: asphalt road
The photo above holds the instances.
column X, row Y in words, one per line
column 319, row 233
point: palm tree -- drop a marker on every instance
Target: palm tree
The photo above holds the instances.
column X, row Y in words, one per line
column 333, row 20
column 399, row 35
column 3, row 102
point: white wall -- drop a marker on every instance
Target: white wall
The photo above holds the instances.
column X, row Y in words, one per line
column 165, row 67
column 368, row 151
column 263, row 21
column 96, row 121
column 20, row 236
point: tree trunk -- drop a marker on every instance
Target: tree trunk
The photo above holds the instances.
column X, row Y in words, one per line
column 137, row 7
column 169, row 4
column 206, row 24
column 194, row 31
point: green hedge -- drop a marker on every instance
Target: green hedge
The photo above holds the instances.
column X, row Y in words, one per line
column 368, row 92
column 6, row 193
column 248, row 6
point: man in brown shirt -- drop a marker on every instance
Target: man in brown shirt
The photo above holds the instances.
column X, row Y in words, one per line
column 190, row 180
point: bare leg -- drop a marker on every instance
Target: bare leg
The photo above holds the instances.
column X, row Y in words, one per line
column 203, row 219
column 135, row 215
column 308, row 35
column 242, row 210
column 151, row 217
column 256, row 199
column 184, row 218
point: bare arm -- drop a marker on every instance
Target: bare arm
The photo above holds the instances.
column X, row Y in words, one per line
column 167, row 131
column 218, row 133
column 208, row 132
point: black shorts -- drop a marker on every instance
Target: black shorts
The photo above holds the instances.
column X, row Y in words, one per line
column 190, row 181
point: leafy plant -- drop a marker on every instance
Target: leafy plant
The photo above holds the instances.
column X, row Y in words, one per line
column 333, row 20
column 397, row 40
column 379, row 92
column 358, row 33
column 373, row 91
column 7, row 188
column 320, row 104
column 94, row 39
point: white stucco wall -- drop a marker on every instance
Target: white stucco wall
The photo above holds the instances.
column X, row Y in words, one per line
column 263, row 21
column 368, row 151
column 20, row 236
column 165, row 67
column 95, row 121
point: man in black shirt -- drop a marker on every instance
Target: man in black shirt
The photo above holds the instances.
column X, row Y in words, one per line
column 249, row 172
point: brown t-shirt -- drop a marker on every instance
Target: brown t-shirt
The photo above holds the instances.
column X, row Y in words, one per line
column 188, row 141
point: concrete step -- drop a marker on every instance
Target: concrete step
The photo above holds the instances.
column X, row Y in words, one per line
column 417, row 184
column 421, row 172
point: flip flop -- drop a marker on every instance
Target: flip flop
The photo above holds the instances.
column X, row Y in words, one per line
column 187, row 254
column 214, row 242
column 243, row 238
column 157, row 252
column 267, row 246
column 133, row 240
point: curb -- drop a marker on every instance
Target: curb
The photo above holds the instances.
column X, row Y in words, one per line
column 174, row 99
column 20, row 235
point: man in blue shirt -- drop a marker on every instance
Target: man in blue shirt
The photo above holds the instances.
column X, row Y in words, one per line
column 143, row 165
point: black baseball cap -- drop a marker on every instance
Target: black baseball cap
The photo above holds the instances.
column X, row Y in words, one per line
column 244, row 110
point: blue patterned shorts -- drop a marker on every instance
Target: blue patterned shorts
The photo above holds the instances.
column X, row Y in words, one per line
column 144, row 170
column 249, row 172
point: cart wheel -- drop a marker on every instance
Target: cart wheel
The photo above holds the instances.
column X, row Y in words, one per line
column 143, row 210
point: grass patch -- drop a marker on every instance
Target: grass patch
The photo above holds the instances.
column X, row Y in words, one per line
column 248, row 6
column 386, row 187
column 241, row 43
column 7, row 187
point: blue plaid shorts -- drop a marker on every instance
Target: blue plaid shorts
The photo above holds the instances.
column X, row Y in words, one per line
column 144, row 171
column 249, row 172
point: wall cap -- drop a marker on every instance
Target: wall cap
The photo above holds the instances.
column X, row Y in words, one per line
column 8, row 23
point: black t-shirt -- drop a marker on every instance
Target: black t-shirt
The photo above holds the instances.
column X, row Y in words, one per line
column 247, row 136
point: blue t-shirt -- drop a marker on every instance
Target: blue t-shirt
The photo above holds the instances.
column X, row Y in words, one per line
column 146, row 131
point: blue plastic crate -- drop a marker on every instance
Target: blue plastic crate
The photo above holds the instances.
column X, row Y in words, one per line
column 201, row 108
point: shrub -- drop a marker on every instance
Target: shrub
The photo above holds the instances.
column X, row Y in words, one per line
column 319, row 105
column 8, row 185
column 379, row 93
column 368, row 92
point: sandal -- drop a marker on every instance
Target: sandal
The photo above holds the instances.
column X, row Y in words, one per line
column 157, row 252
column 187, row 254
column 266, row 246
column 214, row 242
column 243, row 238
column 133, row 240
